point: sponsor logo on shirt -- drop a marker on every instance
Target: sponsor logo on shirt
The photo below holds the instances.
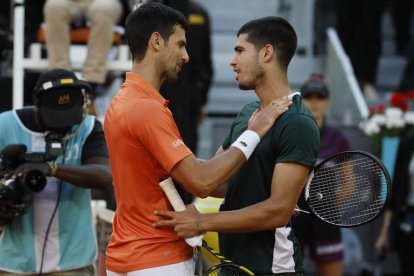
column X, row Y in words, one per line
column 176, row 143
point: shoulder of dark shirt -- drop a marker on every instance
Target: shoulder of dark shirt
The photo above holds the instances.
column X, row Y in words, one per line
column 297, row 107
column 95, row 144
column 248, row 109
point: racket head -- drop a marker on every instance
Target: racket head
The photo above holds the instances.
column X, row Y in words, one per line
column 348, row 189
column 227, row 269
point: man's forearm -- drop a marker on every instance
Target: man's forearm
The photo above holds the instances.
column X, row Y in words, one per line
column 258, row 217
column 86, row 176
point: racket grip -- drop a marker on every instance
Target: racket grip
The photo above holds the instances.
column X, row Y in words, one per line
column 178, row 205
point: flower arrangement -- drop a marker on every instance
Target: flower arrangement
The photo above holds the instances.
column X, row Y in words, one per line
column 386, row 122
column 402, row 99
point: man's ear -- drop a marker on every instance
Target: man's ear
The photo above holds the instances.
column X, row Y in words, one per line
column 156, row 41
column 267, row 53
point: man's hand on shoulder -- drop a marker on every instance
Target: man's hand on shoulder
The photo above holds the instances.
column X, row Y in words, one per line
column 263, row 118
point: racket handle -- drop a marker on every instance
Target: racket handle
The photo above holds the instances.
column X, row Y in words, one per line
column 178, row 205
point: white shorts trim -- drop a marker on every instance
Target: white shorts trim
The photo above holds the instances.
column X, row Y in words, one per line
column 185, row 268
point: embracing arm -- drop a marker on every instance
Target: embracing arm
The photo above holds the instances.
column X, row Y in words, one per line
column 202, row 178
column 276, row 211
column 197, row 178
column 221, row 191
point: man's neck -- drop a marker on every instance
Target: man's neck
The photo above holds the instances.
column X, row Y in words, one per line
column 271, row 90
column 271, row 93
column 148, row 72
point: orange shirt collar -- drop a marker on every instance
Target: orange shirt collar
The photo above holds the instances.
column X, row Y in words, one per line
column 134, row 79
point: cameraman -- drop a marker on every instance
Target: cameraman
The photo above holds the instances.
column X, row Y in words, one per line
column 55, row 235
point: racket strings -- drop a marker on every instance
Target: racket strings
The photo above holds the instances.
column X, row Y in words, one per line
column 348, row 190
column 226, row 270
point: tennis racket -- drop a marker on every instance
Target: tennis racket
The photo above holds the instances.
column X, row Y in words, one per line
column 225, row 267
column 178, row 205
column 348, row 189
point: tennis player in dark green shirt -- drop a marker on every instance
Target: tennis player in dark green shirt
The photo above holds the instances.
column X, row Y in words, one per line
column 293, row 139
column 254, row 220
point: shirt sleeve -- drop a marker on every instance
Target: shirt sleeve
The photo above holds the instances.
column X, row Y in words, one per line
column 227, row 141
column 154, row 127
column 298, row 141
column 95, row 144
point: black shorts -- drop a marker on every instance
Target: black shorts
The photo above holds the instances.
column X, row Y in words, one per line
column 323, row 240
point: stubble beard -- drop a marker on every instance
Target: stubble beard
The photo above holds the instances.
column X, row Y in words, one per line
column 255, row 76
column 171, row 75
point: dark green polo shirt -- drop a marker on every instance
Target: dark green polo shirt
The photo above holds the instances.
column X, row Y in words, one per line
column 293, row 138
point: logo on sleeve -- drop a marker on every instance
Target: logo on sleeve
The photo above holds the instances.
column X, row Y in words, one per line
column 176, row 143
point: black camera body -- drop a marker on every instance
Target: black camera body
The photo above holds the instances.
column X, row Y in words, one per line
column 16, row 194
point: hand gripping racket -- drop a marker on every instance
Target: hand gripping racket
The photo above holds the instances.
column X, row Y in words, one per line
column 225, row 267
column 178, row 205
column 348, row 189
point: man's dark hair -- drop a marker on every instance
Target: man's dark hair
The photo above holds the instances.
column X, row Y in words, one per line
column 275, row 31
column 149, row 18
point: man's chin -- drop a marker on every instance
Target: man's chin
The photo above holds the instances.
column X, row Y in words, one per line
column 172, row 78
column 245, row 87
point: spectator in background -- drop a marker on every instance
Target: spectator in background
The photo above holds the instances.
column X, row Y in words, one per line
column 188, row 96
column 397, row 231
column 103, row 15
column 359, row 28
column 323, row 241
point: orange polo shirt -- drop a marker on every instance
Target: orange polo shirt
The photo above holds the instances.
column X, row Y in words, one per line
column 144, row 145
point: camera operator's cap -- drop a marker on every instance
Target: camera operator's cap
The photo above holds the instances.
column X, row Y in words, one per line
column 315, row 85
column 59, row 94
column 59, row 78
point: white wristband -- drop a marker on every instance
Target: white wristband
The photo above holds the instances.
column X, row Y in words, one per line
column 247, row 142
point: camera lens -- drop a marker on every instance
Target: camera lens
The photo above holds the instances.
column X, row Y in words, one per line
column 34, row 180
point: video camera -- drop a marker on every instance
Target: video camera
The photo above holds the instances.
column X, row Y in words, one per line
column 16, row 194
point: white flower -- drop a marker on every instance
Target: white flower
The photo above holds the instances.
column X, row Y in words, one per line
column 393, row 112
column 397, row 122
column 393, row 119
column 371, row 128
column 393, row 122
column 378, row 119
column 409, row 117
